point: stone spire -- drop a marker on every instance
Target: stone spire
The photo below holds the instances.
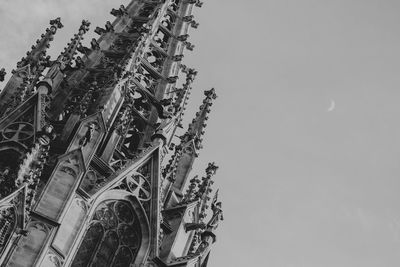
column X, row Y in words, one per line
column 196, row 128
column 36, row 58
column 205, row 189
column 55, row 75
column 29, row 68
column 190, row 144
column 191, row 190
column 2, row 74
column 182, row 95
column 69, row 52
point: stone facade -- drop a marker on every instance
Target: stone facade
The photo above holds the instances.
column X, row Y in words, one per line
column 89, row 172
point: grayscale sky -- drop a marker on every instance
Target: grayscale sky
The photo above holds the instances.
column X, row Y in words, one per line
column 301, row 187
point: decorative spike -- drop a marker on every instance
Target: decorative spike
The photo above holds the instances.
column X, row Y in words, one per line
column 69, row 52
column 38, row 51
column 204, row 189
column 196, row 128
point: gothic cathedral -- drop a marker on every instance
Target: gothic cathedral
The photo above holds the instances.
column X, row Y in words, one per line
column 89, row 172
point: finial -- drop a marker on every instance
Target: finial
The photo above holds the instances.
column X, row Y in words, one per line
column 211, row 169
column 37, row 56
column 210, row 94
column 56, row 23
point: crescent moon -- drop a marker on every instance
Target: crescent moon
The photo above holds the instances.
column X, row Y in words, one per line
column 332, row 106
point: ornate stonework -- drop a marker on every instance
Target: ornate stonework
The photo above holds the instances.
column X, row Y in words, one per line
column 91, row 170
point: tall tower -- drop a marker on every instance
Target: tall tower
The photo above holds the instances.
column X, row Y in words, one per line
column 90, row 173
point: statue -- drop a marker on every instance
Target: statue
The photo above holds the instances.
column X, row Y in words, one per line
column 194, row 24
column 88, row 135
column 108, row 28
column 212, row 224
column 2, row 74
column 119, row 12
column 216, row 217
column 94, row 44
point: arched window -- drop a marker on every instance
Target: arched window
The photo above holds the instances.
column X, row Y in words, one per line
column 113, row 237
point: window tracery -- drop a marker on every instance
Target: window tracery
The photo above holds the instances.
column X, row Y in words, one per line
column 113, row 237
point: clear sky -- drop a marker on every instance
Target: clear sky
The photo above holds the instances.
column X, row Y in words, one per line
column 301, row 186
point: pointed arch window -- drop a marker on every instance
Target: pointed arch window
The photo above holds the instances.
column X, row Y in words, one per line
column 113, row 237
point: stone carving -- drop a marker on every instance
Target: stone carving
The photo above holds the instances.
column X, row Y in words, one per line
column 87, row 137
column 182, row 37
column 119, row 12
column 107, row 98
column 188, row 18
column 2, row 74
column 177, row 57
column 194, row 24
column 189, row 46
column 108, row 28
